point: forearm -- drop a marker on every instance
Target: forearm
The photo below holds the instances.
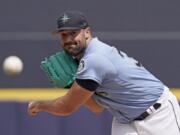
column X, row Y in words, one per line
column 57, row 107
column 62, row 106
column 93, row 106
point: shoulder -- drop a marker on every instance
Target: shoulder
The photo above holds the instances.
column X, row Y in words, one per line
column 95, row 59
column 96, row 62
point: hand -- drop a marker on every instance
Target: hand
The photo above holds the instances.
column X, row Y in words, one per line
column 33, row 108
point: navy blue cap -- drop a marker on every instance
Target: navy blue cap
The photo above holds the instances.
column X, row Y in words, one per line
column 71, row 20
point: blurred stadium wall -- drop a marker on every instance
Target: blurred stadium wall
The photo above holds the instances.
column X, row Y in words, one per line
column 147, row 30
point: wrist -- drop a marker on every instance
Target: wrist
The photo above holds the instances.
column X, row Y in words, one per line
column 44, row 105
column 40, row 105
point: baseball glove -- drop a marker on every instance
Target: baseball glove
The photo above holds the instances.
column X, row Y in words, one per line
column 60, row 69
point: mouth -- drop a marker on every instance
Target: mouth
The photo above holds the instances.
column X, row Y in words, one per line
column 71, row 47
column 70, row 43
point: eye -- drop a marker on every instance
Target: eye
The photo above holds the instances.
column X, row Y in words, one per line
column 63, row 35
column 73, row 33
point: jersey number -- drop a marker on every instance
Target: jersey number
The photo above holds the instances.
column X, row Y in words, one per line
column 124, row 55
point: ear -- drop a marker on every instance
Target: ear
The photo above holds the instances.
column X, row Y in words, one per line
column 87, row 33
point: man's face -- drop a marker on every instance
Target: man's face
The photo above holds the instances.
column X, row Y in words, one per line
column 73, row 41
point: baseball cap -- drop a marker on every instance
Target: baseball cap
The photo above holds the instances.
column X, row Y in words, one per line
column 71, row 20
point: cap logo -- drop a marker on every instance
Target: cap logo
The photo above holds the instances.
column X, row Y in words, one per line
column 84, row 25
column 65, row 19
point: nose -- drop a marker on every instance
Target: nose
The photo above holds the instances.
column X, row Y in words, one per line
column 68, row 38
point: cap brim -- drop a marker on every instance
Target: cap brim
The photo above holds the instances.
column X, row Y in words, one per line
column 64, row 28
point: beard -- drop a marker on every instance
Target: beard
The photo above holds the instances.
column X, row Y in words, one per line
column 75, row 51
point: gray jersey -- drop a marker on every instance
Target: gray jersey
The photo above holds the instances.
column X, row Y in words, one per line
column 126, row 88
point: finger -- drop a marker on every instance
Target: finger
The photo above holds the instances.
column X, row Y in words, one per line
column 31, row 104
column 32, row 112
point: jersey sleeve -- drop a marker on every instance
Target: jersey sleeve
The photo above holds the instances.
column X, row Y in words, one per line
column 95, row 67
column 87, row 84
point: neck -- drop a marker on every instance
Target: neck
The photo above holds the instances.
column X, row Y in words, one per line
column 79, row 56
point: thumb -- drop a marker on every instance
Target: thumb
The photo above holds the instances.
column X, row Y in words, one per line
column 33, row 108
